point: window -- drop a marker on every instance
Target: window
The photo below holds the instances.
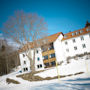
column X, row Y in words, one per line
column 73, row 34
column 89, row 35
column 81, row 31
column 67, row 50
column 83, row 45
column 37, row 51
column 52, row 55
column 23, row 55
column 75, row 48
column 82, row 38
column 77, row 32
column 51, row 46
column 46, row 57
column 25, row 69
column 74, row 41
column 65, row 36
column 44, row 48
column 88, row 29
column 46, row 64
column 37, row 66
column 24, row 62
column 66, row 42
column 38, row 59
column 40, row 65
column 53, row 63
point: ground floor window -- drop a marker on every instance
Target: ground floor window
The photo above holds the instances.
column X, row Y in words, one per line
column 25, row 69
column 53, row 63
column 46, row 64
column 39, row 66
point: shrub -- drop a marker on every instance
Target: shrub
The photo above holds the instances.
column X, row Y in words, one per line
column 12, row 81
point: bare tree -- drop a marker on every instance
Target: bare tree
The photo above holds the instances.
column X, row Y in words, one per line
column 8, row 57
column 28, row 30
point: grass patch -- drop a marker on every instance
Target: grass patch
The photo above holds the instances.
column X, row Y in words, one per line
column 78, row 73
column 8, row 80
column 29, row 77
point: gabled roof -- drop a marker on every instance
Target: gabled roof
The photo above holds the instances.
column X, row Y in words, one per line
column 53, row 37
column 76, row 33
column 50, row 39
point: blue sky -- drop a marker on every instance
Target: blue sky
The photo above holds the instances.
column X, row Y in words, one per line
column 60, row 15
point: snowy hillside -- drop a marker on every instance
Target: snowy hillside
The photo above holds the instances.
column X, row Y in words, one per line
column 75, row 66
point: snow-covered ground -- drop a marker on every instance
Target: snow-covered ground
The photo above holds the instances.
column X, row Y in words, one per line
column 73, row 67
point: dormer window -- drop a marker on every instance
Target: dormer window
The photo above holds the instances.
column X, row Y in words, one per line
column 88, row 29
column 77, row 32
column 73, row 34
column 65, row 36
column 81, row 31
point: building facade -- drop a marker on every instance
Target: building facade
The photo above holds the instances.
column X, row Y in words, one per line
column 61, row 46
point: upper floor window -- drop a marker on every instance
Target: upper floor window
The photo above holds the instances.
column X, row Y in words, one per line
column 75, row 48
column 44, row 48
column 23, row 55
column 37, row 51
column 38, row 58
column 66, row 42
column 67, row 50
column 82, row 38
column 51, row 46
column 45, row 57
column 74, row 40
column 24, row 62
column 52, row 55
column 89, row 34
column 83, row 45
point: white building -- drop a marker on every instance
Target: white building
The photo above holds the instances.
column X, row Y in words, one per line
column 61, row 47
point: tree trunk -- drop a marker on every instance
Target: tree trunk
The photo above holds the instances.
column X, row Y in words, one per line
column 33, row 67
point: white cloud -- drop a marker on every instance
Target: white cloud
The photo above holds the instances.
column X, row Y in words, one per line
column 1, row 36
column 12, row 43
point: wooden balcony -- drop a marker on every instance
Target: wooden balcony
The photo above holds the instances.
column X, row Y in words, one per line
column 49, row 60
column 48, row 52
